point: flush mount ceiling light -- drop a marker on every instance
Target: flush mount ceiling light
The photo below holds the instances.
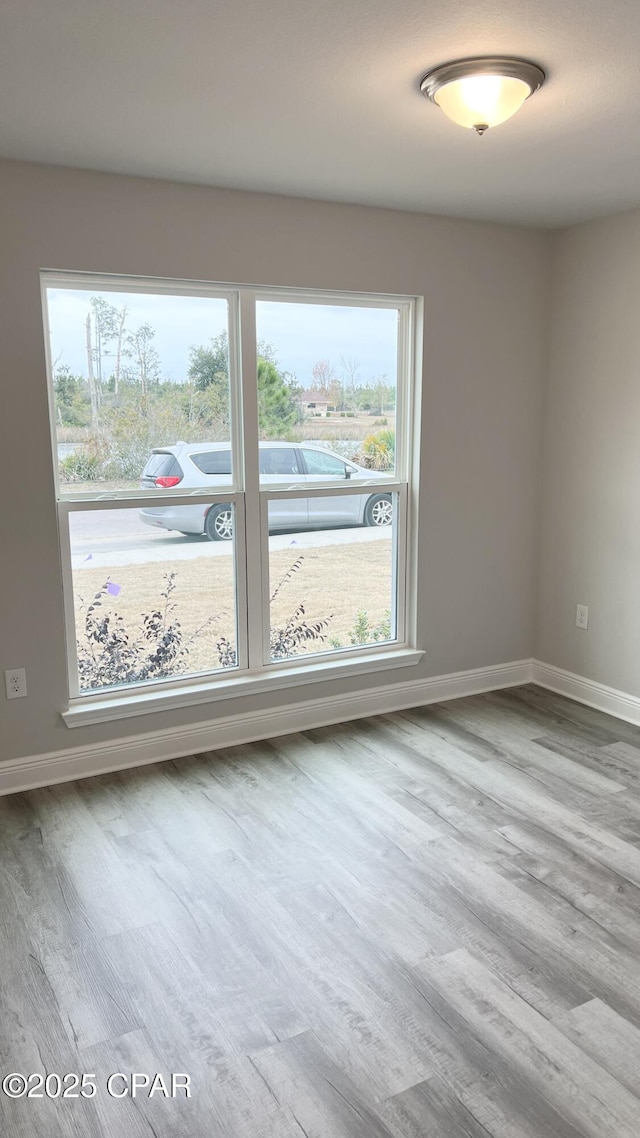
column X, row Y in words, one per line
column 479, row 93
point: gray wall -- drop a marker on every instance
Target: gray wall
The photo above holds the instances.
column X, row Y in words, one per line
column 485, row 290
column 590, row 531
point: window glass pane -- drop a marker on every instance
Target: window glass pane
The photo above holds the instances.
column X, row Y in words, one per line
column 332, row 573
column 212, row 461
column 328, row 374
column 149, row 602
column 323, row 463
column 132, row 373
column 278, row 460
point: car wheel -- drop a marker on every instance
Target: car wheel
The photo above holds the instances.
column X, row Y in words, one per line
column 218, row 525
column 378, row 510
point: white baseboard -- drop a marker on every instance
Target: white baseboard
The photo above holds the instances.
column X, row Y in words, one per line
column 603, row 698
column 155, row 746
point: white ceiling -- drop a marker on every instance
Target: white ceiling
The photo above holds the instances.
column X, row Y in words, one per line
column 320, row 99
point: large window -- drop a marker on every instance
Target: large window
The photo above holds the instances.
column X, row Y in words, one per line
column 232, row 475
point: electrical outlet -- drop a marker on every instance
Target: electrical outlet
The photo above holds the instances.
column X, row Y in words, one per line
column 16, row 682
column 582, row 616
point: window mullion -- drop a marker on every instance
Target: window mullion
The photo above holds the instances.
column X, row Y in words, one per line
column 399, row 563
column 255, row 551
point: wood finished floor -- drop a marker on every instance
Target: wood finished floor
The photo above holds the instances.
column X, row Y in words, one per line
column 419, row 925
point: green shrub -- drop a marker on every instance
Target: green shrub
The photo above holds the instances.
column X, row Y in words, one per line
column 364, row 632
column 138, row 423
column 378, row 451
column 84, row 465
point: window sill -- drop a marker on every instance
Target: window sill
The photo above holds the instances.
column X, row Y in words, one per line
column 103, row 709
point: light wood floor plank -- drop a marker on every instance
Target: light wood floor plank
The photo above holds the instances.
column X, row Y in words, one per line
column 579, row 1089
column 608, row 1038
column 418, row 925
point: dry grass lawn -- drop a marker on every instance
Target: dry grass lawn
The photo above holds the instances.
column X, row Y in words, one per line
column 334, row 581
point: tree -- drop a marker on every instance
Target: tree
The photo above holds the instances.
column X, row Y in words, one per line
column 278, row 406
column 203, row 414
column 94, row 390
column 104, row 323
column 209, row 367
column 73, row 405
column 278, row 409
column 208, row 385
column 266, row 351
column 139, row 348
column 350, row 385
column 385, row 393
column 119, row 337
column 324, row 376
column 108, row 325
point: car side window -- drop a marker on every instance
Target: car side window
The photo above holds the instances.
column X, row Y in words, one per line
column 278, row 460
column 213, row 462
column 324, row 464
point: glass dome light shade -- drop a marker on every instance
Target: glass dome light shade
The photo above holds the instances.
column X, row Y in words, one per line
column 482, row 92
column 482, row 100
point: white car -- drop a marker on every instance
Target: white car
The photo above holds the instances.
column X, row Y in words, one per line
column 196, row 466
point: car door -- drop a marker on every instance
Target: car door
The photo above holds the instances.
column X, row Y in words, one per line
column 280, row 467
column 339, row 509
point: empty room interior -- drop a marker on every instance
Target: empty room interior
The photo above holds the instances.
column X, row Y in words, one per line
column 320, row 569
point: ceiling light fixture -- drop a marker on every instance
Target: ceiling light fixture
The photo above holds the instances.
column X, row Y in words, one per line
column 479, row 93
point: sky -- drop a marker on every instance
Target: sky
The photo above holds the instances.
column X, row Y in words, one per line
column 301, row 333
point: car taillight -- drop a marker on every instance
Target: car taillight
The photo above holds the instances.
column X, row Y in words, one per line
column 167, row 480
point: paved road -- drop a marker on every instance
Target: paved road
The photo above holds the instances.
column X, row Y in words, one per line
column 108, row 538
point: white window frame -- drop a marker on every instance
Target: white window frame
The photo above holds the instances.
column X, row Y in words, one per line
column 255, row 671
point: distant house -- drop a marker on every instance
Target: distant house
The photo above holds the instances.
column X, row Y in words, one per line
column 315, row 403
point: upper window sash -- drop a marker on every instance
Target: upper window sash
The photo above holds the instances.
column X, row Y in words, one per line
column 237, row 355
column 96, row 283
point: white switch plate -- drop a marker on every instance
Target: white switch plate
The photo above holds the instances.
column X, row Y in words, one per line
column 582, row 616
column 16, row 683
